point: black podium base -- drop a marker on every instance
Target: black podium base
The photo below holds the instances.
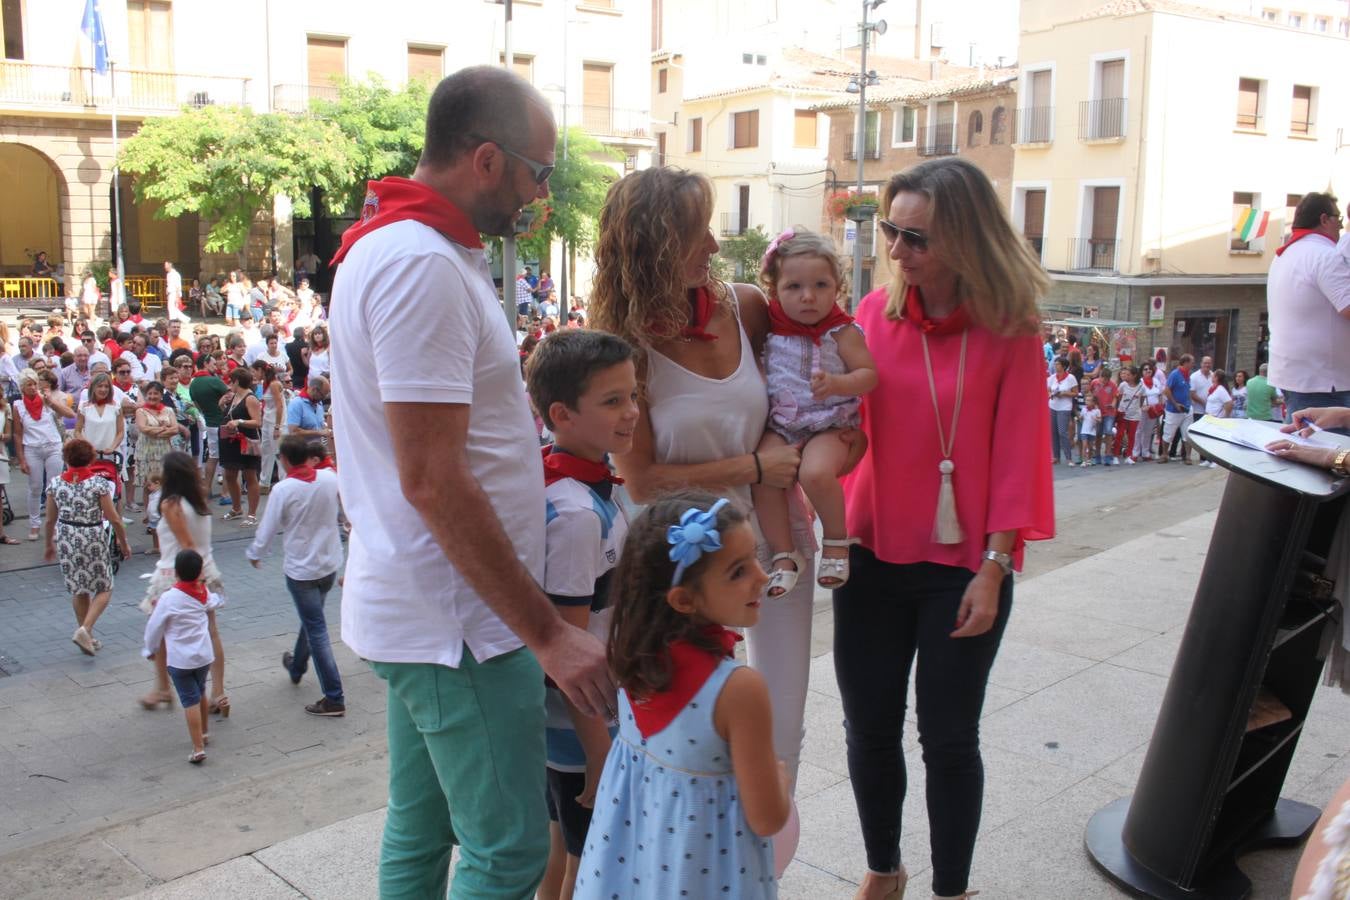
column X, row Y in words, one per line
column 1288, row 826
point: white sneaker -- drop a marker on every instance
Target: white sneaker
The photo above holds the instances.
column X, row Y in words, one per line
column 1129, row 460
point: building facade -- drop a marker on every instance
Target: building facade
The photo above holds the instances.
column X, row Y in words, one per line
column 1157, row 181
column 56, row 155
column 965, row 114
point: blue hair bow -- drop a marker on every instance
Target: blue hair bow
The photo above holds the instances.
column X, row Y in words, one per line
column 695, row 535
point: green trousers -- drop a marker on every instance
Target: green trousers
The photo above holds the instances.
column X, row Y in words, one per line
column 466, row 767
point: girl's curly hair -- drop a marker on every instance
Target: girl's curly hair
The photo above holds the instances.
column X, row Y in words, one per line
column 644, row 624
column 646, row 229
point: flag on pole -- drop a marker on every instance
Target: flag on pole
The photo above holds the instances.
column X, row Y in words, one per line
column 1250, row 224
column 92, row 26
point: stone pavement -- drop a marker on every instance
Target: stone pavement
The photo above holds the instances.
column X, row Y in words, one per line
column 289, row 805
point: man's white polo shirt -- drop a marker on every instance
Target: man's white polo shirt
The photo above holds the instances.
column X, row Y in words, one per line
column 415, row 319
column 1306, row 292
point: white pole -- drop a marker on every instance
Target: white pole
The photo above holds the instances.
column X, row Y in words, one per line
column 509, row 240
column 117, row 192
column 860, row 146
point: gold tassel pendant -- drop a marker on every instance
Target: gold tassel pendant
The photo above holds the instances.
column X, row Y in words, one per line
column 947, row 527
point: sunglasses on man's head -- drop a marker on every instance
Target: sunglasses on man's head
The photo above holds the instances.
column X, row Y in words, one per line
column 540, row 171
column 914, row 240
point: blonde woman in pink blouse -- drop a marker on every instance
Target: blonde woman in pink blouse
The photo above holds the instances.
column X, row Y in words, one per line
column 956, row 479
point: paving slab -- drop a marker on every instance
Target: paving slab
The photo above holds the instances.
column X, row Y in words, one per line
column 242, row 877
column 339, row 861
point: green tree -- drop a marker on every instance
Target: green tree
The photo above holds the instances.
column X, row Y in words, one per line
column 385, row 129
column 226, row 163
column 577, row 190
column 741, row 254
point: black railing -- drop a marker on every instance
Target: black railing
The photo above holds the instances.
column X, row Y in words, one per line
column 938, row 140
column 296, row 98
column 1101, row 119
column 1034, row 125
column 734, row 224
column 871, row 149
column 1092, row 255
column 80, row 86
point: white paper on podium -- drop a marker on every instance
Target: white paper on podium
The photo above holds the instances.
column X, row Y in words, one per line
column 1256, row 434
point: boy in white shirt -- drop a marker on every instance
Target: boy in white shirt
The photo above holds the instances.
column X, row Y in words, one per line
column 178, row 628
column 1089, row 420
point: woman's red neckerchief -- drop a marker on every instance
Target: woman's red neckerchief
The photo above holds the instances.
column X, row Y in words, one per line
column 1297, row 235
column 1212, row 388
column 304, row 472
column 702, row 305
column 779, row 323
column 394, row 199
column 34, row 406
column 1060, row 376
column 194, row 589
column 690, row 667
column 955, row 323
column 76, row 474
column 153, row 407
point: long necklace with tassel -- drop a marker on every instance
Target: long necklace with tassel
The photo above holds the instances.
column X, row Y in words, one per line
column 946, row 525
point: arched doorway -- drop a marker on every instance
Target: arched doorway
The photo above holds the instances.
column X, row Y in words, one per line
column 29, row 182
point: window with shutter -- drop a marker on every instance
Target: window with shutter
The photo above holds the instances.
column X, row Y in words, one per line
column 521, row 64
column 1243, row 202
column 597, row 97
column 1300, row 111
column 327, row 61
column 804, row 131
column 745, row 129
column 11, row 28
column 426, row 64
column 1105, row 210
column 662, row 79
column 696, row 135
column 1249, row 104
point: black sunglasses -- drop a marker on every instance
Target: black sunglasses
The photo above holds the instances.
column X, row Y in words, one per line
column 540, row 171
column 914, row 240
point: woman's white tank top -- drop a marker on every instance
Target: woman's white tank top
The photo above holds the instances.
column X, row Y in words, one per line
column 198, row 526
column 696, row 419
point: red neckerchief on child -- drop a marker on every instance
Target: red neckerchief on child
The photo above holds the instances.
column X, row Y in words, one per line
column 779, row 323
column 702, row 306
column 76, row 474
column 690, row 667
column 326, row 463
column 955, row 323
column 560, row 464
column 394, row 199
column 1297, row 235
column 194, row 589
column 34, row 406
column 303, row 473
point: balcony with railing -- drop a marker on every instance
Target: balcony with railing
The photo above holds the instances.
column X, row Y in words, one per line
column 611, row 121
column 1093, row 255
column 25, row 85
column 871, row 148
column 1101, row 120
column 296, row 98
column 938, row 140
column 735, row 224
column 1034, row 125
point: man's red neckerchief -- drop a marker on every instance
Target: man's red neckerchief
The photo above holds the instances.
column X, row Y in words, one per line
column 395, row 199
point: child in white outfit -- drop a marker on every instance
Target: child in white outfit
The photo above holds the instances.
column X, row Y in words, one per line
column 1089, row 420
column 818, row 366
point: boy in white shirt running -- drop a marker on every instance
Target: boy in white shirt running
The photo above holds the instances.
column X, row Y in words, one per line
column 178, row 628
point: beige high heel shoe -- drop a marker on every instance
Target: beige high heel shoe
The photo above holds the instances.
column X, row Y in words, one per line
column 898, row 893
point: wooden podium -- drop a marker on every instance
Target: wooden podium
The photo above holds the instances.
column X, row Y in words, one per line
column 1210, row 785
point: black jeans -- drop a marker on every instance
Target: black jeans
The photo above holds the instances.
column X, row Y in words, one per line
column 883, row 617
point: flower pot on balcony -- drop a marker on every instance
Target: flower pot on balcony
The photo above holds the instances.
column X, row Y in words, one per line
column 861, row 212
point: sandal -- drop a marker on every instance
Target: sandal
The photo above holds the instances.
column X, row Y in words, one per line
column 249, row 522
column 832, row 572
column 8, row 541
column 781, row 581
column 220, row 706
column 233, row 514
column 198, row 757
column 152, row 700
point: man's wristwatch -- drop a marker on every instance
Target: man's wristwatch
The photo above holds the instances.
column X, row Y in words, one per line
column 1338, row 465
column 1004, row 560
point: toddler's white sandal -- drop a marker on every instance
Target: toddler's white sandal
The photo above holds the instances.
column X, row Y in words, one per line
column 832, row 573
column 781, row 581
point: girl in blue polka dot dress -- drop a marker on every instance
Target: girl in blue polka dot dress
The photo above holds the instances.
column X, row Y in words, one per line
column 691, row 792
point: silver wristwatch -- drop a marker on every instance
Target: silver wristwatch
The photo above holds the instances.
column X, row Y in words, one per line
column 1004, row 560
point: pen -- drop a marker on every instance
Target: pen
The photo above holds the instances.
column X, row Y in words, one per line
column 1309, row 424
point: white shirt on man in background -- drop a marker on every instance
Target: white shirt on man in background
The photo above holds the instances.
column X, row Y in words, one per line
column 1307, row 293
column 306, row 514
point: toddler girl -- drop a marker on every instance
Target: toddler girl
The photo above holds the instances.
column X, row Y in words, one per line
column 817, row 366
column 690, row 792
column 1089, row 421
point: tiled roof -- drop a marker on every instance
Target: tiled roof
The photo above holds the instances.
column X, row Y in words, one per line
column 1134, row 7
column 801, row 70
column 910, row 89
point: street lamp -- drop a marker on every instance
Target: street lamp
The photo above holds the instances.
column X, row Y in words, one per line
column 858, row 84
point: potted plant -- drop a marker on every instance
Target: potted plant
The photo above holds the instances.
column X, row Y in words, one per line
column 854, row 205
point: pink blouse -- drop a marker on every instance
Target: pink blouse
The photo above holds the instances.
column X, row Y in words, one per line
column 1002, row 478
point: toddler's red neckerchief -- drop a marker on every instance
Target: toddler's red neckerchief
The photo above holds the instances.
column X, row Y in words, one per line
column 560, row 464
column 34, row 406
column 394, row 199
column 690, row 667
column 76, row 474
column 702, row 306
column 194, row 589
column 303, row 473
column 955, row 323
column 779, row 323
column 1297, row 235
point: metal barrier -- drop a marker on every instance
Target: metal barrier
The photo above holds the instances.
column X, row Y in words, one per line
column 27, row 288
column 148, row 289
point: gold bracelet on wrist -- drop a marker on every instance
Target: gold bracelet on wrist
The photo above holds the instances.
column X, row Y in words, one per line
column 1338, row 465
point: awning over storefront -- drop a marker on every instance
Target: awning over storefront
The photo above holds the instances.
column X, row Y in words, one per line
column 1093, row 323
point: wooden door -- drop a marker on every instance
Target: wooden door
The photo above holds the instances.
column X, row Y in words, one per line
column 1105, row 210
column 743, row 212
